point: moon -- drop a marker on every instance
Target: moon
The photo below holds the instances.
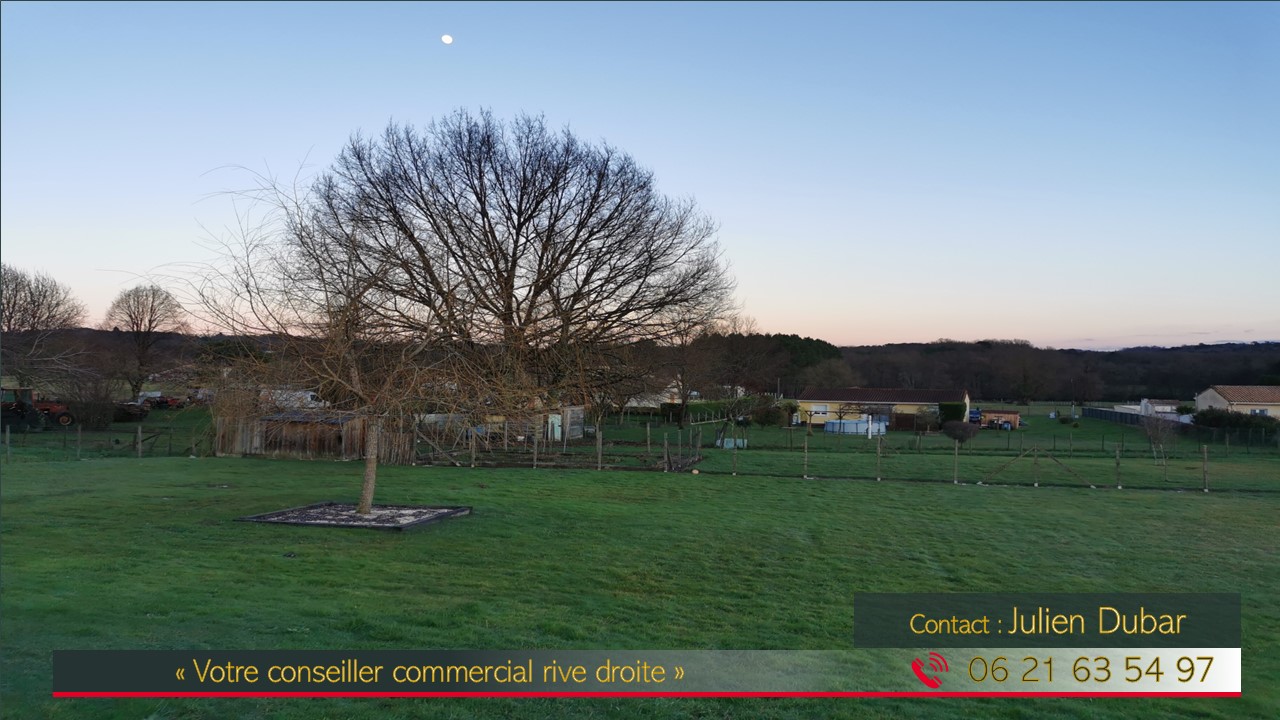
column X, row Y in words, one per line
column 446, row 39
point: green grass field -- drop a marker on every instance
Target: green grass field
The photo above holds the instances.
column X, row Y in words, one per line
column 123, row 553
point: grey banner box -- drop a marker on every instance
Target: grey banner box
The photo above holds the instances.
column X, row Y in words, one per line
column 913, row 620
column 205, row 672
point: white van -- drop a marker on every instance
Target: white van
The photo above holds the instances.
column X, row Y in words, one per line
column 293, row 399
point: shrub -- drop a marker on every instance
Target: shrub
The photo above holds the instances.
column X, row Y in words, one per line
column 1219, row 418
column 960, row 431
column 770, row 415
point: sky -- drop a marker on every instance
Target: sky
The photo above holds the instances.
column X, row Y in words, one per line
column 1075, row 175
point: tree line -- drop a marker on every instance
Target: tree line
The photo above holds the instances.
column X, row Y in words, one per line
column 1017, row 371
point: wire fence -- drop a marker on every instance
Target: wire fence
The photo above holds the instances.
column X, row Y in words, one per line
column 144, row 440
column 1095, row 455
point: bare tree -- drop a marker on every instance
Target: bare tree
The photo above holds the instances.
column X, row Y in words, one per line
column 496, row 268
column 846, row 409
column 145, row 313
column 1162, row 434
column 36, row 302
column 33, row 308
column 693, row 359
column 520, row 238
column 631, row 372
column 299, row 291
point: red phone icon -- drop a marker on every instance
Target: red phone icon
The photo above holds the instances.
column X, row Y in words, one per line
column 937, row 663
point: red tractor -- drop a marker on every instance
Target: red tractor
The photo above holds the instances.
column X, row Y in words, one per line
column 19, row 402
column 56, row 411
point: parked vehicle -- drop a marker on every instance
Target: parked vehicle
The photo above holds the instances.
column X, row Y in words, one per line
column 56, row 411
column 293, row 399
column 154, row 400
column 18, row 410
column 129, row 412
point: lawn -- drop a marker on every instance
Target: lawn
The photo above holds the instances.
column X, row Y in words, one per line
column 146, row 554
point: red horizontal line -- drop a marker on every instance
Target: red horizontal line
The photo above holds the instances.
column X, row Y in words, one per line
column 67, row 694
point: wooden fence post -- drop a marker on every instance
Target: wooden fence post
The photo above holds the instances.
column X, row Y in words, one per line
column 879, row 449
column 735, row 454
column 1118, row 485
column 806, row 456
column 1204, row 466
column 599, row 447
column 139, row 441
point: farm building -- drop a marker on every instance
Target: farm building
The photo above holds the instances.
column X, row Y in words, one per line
column 1150, row 406
column 1001, row 419
column 1247, row 399
column 896, row 405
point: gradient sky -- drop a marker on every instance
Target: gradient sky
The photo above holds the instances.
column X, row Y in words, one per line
column 1076, row 175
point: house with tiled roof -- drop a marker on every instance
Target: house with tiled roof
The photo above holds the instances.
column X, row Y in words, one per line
column 818, row 405
column 1247, row 399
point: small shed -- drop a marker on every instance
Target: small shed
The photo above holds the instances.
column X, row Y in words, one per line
column 1001, row 419
column 309, row 435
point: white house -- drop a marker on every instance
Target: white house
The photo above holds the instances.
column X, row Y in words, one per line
column 1247, row 399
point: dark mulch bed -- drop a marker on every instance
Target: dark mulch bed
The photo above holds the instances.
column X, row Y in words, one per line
column 382, row 517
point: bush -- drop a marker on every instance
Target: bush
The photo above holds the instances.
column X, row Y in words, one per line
column 960, row 431
column 770, row 415
column 1218, row 418
column 91, row 400
column 1064, row 419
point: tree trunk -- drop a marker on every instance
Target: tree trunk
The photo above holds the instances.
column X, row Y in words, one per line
column 373, row 429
